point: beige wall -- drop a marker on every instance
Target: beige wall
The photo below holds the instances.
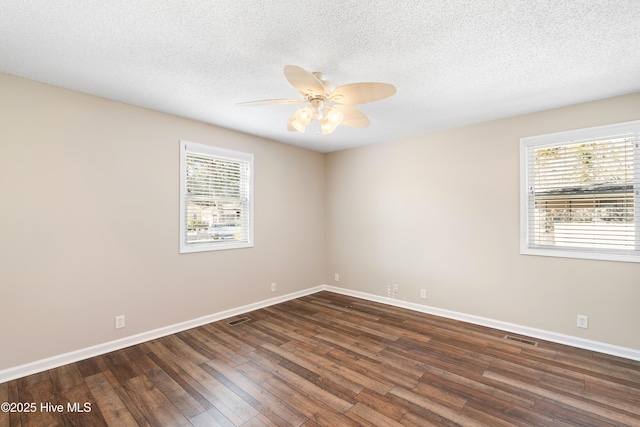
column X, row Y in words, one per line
column 89, row 223
column 441, row 212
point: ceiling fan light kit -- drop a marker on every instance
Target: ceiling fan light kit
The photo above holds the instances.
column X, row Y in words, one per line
column 329, row 118
column 328, row 105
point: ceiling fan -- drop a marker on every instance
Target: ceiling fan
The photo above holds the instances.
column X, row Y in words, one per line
column 329, row 105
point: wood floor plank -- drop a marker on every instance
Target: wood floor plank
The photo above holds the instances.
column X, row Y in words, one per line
column 254, row 372
column 219, row 332
column 439, row 395
column 42, row 394
column 366, row 416
column 260, row 421
column 482, row 402
column 492, row 410
column 80, row 407
column 218, row 350
column 350, row 340
column 121, row 369
column 382, row 404
column 292, row 322
column 197, row 347
column 180, row 347
column 313, row 409
column 206, row 420
column 252, row 334
column 187, row 405
column 145, row 364
column 91, row 366
column 281, row 329
column 113, row 410
column 425, row 402
column 356, row 372
column 159, row 349
column 136, row 412
column 385, row 375
column 333, row 360
column 66, row 377
column 503, row 419
column 318, row 365
column 185, row 382
column 415, row 420
column 33, row 379
column 225, row 400
column 153, row 404
column 4, row 397
column 466, row 365
column 552, row 368
column 364, row 328
column 304, row 385
column 473, row 389
column 625, row 395
column 565, row 415
column 266, row 401
column 597, row 410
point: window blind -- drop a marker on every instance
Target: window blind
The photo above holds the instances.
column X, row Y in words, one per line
column 216, row 205
column 583, row 195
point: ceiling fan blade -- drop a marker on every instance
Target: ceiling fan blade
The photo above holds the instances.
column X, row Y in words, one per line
column 352, row 116
column 362, row 93
column 273, row 101
column 303, row 80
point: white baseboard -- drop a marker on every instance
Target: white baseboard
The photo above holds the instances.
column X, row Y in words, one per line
column 85, row 353
column 96, row 350
column 582, row 343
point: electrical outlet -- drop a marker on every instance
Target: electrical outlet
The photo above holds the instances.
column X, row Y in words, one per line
column 423, row 293
column 336, row 277
column 273, row 287
column 120, row 322
column 583, row 321
column 395, row 288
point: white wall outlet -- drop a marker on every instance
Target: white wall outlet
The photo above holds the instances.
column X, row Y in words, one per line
column 273, row 287
column 583, row 321
column 336, row 277
column 423, row 293
column 120, row 322
column 395, row 288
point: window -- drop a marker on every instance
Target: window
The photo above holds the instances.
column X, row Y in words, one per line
column 580, row 193
column 216, row 198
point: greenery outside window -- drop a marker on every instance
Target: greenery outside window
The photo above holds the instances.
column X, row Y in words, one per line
column 216, row 198
column 580, row 193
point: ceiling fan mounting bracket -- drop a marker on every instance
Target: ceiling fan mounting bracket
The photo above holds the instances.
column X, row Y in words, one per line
column 318, row 104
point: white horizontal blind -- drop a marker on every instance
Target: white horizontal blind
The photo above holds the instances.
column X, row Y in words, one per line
column 216, row 211
column 583, row 195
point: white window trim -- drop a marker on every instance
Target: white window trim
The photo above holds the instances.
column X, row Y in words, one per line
column 565, row 137
column 192, row 147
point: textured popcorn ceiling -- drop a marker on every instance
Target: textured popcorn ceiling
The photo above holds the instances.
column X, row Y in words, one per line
column 453, row 62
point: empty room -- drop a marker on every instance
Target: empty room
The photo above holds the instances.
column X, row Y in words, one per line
column 320, row 214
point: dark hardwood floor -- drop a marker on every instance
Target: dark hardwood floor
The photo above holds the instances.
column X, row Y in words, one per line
column 331, row 360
